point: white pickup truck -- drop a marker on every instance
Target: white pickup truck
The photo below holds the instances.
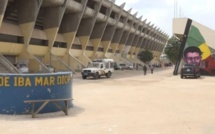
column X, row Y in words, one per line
column 99, row 67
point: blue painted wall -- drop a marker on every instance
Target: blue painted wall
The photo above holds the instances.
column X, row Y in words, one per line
column 16, row 88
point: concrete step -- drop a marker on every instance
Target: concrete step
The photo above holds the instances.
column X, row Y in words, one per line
column 3, row 69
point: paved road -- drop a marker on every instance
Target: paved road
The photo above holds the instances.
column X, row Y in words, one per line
column 157, row 103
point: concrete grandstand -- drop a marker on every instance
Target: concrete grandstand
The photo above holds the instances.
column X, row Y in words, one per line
column 68, row 34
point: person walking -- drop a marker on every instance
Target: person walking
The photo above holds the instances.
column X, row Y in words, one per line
column 151, row 68
column 144, row 69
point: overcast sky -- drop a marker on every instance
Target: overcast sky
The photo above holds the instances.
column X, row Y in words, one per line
column 161, row 12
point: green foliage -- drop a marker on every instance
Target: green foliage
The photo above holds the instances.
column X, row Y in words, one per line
column 145, row 56
column 172, row 49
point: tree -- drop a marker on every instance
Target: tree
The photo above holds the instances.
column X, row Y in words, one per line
column 172, row 49
column 145, row 56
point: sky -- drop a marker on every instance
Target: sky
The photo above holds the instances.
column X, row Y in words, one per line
column 161, row 12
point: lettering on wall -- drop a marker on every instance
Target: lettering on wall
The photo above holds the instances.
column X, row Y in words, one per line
column 28, row 81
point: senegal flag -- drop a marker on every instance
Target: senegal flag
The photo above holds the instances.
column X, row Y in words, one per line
column 195, row 38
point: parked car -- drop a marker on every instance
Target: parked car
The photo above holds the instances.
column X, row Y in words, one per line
column 124, row 66
column 51, row 68
column 192, row 70
column 22, row 67
column 117, row 67
column 131, row 67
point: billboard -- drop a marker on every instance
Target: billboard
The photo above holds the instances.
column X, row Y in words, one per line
column 197, row 51
column 197, row 45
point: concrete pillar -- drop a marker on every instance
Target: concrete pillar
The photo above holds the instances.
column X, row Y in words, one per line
column 158, row 47
column 148, row 47
column 160, row 41
column 3, row 6
column 110, row 30
column 162, row 45
column 86, row 27
column 138, row 47
column 142, row 39
column 55, row 14
column 129, row 42
column 155, row 40
column 70, row 24
column 145, row 40
column 125, row 38
column 137, row 36
column 118, row 35
column 69, row 28
column 27, row 14
column 52, row 20
column 143, row 45
column 99, row 30
column 150, row 44
column 148, row 41
column 131, row 35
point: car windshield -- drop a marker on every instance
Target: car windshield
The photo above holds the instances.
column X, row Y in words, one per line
column 122, row 65
column 94, row 65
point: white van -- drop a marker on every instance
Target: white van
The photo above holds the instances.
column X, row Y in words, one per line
column 99, row 67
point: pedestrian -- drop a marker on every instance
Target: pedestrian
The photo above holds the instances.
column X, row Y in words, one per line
column 144, row 69
column 137, row 66
column 151, row 68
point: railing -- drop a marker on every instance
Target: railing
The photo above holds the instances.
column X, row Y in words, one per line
column 88, row 59
column 82, row 65
column 44, row 68
column 116, row 60
column 63, row 63
column 140, row 62
column 9, row 65
column 126, row 61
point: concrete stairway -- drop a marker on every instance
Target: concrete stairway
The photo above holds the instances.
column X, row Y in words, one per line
column 3, row 69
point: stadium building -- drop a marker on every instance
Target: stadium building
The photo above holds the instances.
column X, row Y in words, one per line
column 68, row 34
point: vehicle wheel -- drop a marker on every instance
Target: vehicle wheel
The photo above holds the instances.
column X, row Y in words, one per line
column 96, row 75
column 84, row 77
column 108, row 75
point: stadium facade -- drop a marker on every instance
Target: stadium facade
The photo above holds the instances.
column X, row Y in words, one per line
column 68, row 34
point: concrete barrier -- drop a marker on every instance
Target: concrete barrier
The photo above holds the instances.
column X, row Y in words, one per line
column 16, row 88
